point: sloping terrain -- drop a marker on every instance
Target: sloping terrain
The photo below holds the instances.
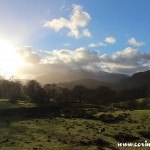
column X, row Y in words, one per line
column 99, row 130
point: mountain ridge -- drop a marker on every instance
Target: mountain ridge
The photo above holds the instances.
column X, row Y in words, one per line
column 69, row 79
column 74, row 75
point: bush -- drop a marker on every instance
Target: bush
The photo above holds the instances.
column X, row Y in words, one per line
column 124, row 137
column 145, row 104
column 101, row 142
column 109, row 118
column 145, row 134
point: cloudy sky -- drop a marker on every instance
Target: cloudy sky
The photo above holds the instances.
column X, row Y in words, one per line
column 105, row 35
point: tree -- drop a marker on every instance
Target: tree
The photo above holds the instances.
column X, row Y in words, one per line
column 4, row 84
column 63, row 95
column 15, row 91
column 35, row 92
column 104, row 94
column 48, row 91
column 79, row 92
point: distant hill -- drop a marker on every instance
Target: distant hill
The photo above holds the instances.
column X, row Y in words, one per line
column 63, row 76
column 71, row 78
column 136, row 80
column 109, row 77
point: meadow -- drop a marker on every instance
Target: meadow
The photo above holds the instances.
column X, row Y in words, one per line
column 71, row 131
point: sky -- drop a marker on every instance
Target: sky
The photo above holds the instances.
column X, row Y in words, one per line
column 38, row 37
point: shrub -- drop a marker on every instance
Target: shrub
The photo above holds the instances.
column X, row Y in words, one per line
column 109, row 118
column 145, row 134
column 124, row 137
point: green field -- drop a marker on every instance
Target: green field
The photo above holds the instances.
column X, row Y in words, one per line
column 19, row 132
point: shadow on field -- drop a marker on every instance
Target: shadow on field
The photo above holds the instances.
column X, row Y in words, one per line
column 7, row 116
column 23, row 113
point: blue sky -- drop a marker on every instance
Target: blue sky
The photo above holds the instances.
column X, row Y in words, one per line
column 112, row 30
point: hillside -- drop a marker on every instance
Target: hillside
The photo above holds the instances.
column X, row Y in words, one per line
column 71, row 78
column 85, row 127
column 63, row 76
column 136, row 80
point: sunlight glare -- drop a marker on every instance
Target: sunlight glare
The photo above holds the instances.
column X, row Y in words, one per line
column 9, row 59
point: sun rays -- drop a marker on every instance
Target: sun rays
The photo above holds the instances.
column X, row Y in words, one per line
column 9, row 59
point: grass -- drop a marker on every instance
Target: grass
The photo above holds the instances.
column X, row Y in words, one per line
column 5, row 104
column 59, row 133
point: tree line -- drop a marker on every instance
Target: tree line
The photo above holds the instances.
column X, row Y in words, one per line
column 34, row 92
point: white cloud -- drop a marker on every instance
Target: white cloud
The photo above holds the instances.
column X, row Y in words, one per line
column 133, row 42
column 128, row 60
column 28, row 55
column 96, row 44
column 76, row 23
column 79, row 57
column 110, row 40
column 86, row 33
column 41, row 62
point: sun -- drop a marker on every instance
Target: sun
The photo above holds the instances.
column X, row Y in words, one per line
column 9, row 59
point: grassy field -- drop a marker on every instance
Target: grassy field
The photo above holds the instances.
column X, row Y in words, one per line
column 61, row 133
column 4, row 104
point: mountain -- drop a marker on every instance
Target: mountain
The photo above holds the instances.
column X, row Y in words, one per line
column 63, row 76
column 109, row 77
column 136, row 80
column 71, row 78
